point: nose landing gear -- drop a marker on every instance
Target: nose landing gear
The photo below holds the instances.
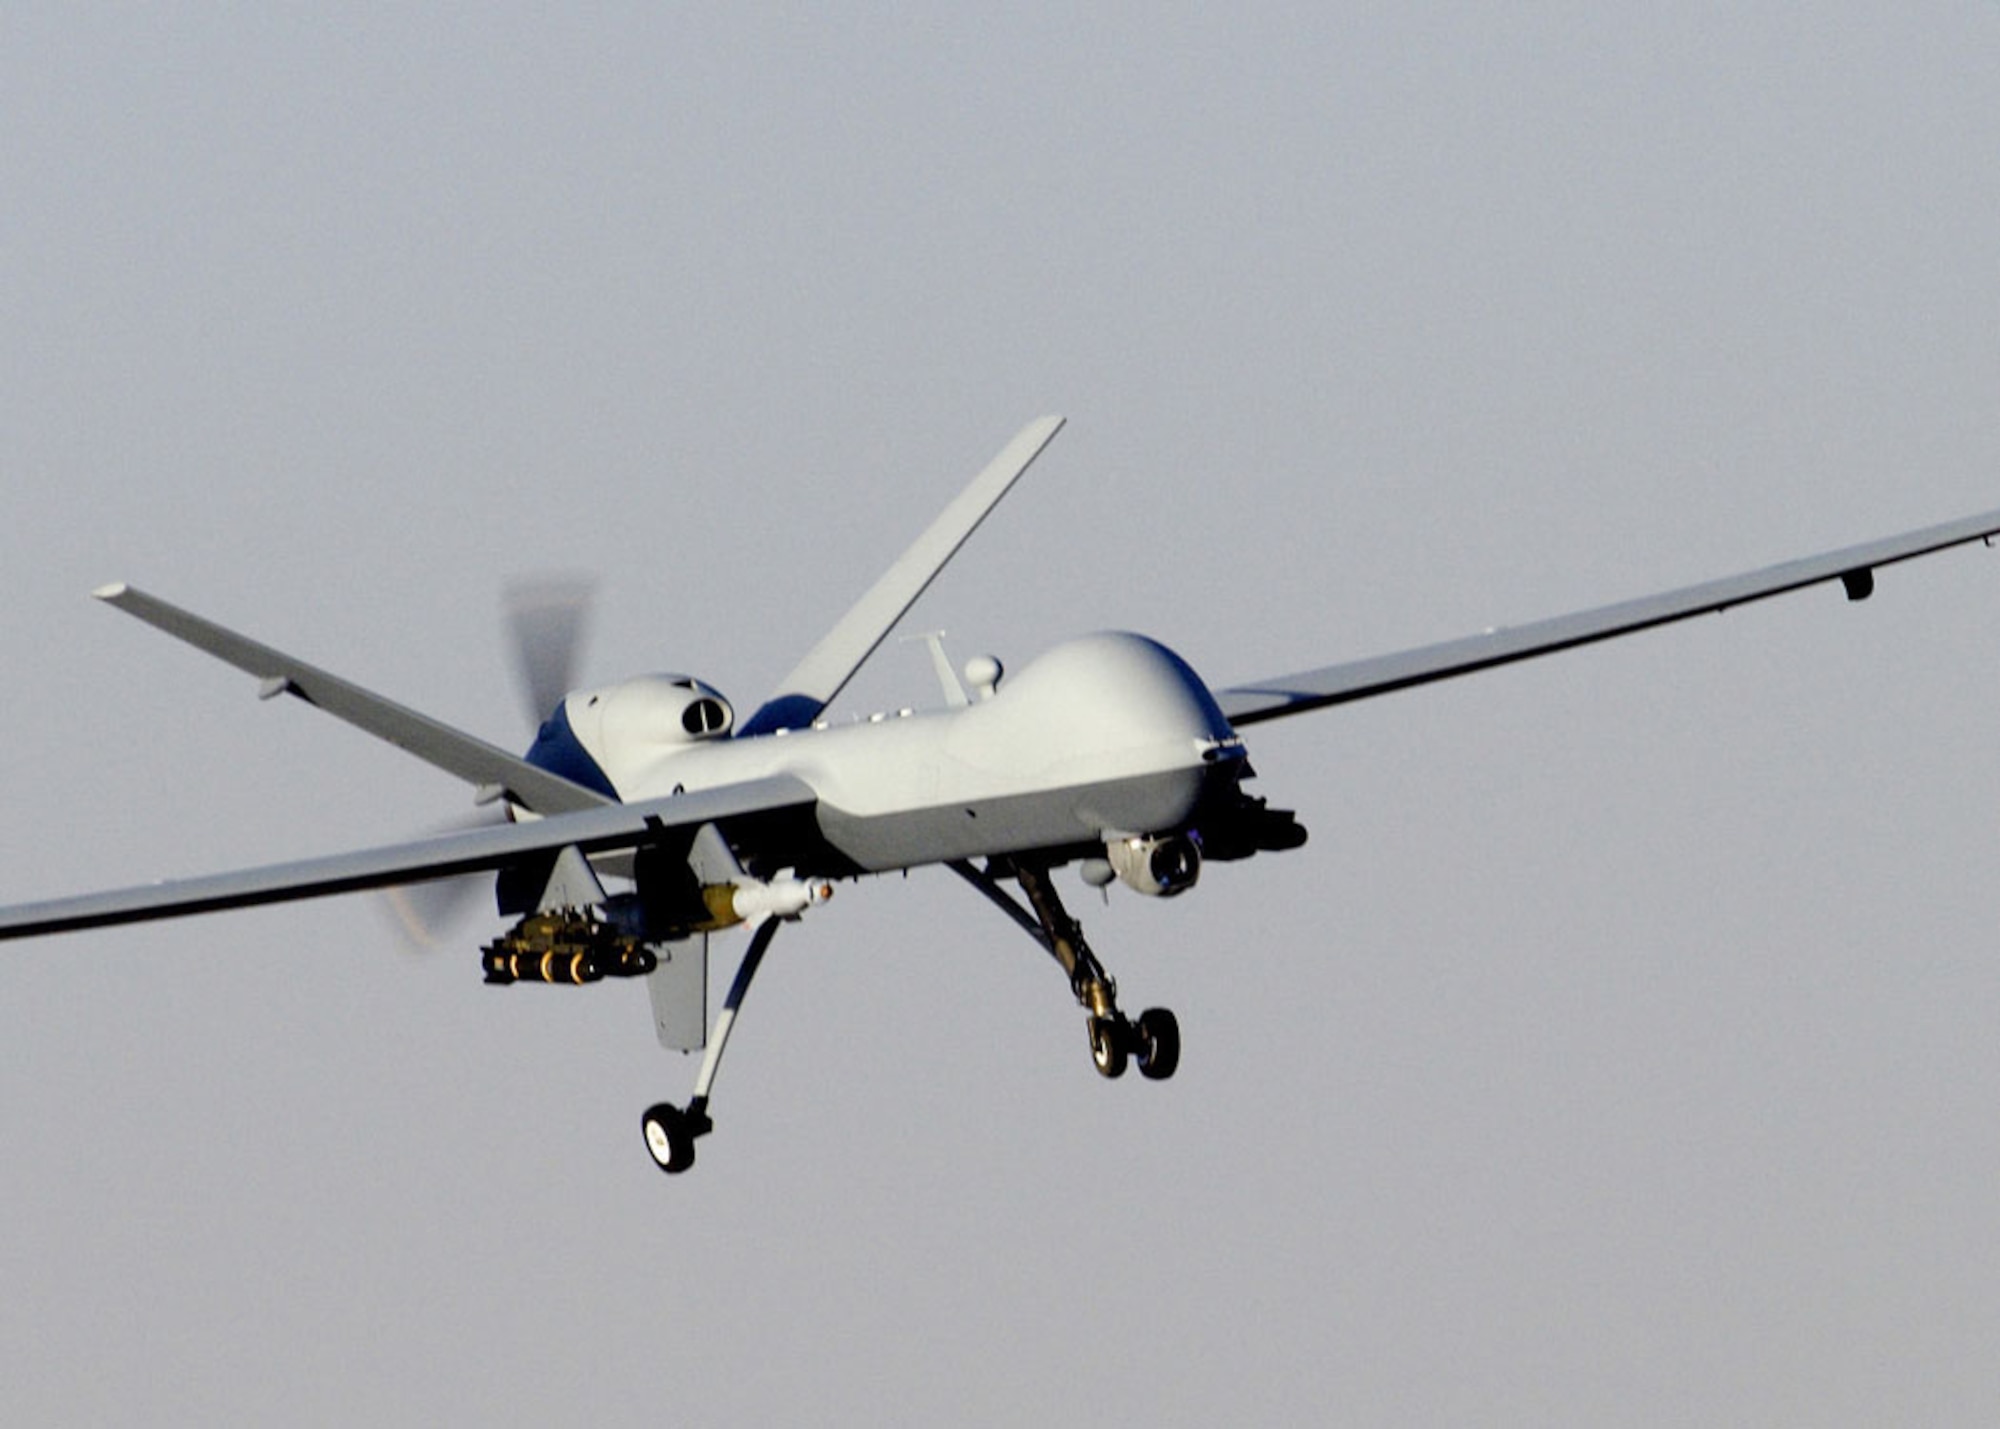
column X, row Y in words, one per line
column 1153, row 1041
column 1158, row 1043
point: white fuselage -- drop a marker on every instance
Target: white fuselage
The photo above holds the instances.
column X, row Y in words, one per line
column 1107, row 736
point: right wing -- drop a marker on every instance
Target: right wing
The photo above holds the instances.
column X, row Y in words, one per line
column 471, row 759
column 1853, row 566
column 829, row 665
column 596, row 830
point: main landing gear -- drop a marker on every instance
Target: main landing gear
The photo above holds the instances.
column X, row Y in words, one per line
column 671, row 1131
column 1153, row 1041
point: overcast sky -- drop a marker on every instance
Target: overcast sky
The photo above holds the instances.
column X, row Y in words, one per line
column 1619, row 1050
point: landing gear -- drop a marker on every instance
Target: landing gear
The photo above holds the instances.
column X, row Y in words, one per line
column 1154, row 1041
column 1158, row 1049
column 670, row 1134
column 1107, row 1046
column 671, row 1131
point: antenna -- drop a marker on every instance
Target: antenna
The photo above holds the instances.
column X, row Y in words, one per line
column 954, row 693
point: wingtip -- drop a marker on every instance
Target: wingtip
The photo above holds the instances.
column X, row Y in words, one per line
column 1042, row 430
column 111, row 592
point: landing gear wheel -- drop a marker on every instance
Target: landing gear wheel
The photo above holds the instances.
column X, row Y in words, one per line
column 1158, row 1039
column 669, row 1138
column 1107, row 1046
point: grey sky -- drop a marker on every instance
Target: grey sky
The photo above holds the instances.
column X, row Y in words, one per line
column 1618, row 1051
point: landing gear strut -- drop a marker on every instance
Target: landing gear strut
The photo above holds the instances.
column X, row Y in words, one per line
column 671, row 1131
column 1153, row 1041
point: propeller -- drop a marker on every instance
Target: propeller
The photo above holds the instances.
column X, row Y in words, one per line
column 546, row 616
column 426, row 913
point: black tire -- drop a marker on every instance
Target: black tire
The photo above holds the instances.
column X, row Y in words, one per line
column 669, row 1139
column 1159, row 1039
column 1107, row 1046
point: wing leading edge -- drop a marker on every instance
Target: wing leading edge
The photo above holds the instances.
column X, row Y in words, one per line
column 594, row 830
column 1853, row 566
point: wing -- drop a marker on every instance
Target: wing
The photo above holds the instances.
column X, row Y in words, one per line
column 470, row 758
column 597, row 830
column 1854, row 567
column 829, row 665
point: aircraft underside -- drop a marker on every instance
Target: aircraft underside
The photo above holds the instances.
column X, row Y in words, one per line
column 660, row 929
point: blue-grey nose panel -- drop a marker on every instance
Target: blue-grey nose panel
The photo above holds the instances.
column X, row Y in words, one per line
column 559, row 751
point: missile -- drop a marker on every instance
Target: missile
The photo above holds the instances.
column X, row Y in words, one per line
column 786, row 896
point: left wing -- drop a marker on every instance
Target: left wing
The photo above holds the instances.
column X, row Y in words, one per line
column 1854, row 567
column 597, row 830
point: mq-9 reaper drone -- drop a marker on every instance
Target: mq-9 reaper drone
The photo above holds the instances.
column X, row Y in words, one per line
column 1107, row 751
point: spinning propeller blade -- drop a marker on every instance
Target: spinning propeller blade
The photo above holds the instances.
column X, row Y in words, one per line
column 547, row 618
column 426, row 914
